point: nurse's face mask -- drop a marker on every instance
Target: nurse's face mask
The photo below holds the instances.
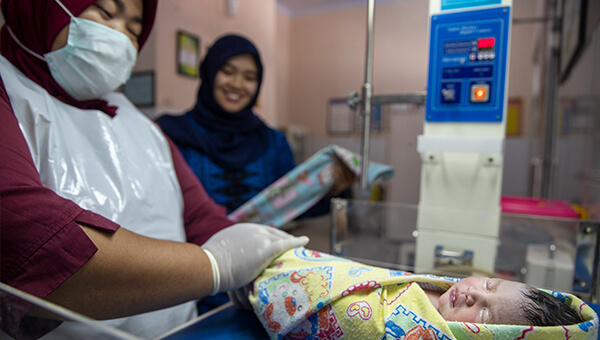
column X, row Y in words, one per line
column 95, row 61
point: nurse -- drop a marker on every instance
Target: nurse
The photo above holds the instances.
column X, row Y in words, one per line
column 100, row 213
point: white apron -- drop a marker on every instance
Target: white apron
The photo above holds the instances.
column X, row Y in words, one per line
column 120, row 168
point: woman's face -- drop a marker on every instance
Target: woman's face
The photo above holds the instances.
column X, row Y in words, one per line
column 236, row 83
column 484, row 300
column 124, row 16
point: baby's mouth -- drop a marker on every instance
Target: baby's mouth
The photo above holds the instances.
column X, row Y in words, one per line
column 453, row 296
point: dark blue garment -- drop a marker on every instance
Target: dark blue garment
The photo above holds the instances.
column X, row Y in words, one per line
column 233, row 187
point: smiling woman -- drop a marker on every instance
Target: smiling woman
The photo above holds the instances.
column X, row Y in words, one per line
column 231, row 150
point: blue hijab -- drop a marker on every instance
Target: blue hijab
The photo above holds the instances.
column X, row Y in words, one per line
column 232, row 140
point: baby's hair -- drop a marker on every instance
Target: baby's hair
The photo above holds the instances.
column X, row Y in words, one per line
column 543, row 309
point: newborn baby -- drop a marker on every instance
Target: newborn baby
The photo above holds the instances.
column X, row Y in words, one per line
column 310, row 295
column 497, row 301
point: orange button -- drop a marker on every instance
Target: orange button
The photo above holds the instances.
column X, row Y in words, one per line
column 480, row 93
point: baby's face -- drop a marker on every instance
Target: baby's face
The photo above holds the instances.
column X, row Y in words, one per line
column 483, row 300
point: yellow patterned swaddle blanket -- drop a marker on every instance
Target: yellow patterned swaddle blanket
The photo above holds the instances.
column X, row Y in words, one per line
column 305, row 294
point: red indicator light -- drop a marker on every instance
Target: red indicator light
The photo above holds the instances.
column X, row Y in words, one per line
column 486, row 43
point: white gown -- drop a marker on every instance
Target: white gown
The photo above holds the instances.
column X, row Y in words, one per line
column 120, row 168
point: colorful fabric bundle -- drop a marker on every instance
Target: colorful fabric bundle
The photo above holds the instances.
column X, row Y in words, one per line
column 310, row 295
column 303, row 187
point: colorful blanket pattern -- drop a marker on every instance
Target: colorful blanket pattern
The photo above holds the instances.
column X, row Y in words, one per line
column 310, row 295
column 300, row 189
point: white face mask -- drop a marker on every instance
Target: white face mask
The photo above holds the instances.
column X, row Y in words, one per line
column 95, row 61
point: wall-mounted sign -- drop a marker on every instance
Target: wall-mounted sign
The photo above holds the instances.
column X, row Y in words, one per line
column 188, row 52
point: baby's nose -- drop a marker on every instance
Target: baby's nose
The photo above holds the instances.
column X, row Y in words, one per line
column 474, row 297
column 470, row 300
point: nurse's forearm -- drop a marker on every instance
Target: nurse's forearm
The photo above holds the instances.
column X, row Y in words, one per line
column 132, row 274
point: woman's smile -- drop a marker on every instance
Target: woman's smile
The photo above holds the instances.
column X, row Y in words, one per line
column 236, row 83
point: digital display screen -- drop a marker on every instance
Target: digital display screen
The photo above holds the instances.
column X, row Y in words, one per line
column 486, row 43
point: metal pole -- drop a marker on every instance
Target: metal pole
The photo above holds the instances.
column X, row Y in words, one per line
column 367, row 94
column 408, row 98
column 550, row 107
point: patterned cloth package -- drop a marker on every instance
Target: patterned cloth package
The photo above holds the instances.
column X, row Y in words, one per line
column 310, row 295
column 303, row 187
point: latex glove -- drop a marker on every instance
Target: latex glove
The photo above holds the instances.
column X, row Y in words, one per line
column 239, row 253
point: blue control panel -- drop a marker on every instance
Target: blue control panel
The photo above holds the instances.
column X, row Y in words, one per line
column 467, row 66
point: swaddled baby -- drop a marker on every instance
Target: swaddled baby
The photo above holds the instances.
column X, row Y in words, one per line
column 311, row 295
column 497, row 301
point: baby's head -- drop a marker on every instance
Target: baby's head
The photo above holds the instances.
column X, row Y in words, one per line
column 498, row 301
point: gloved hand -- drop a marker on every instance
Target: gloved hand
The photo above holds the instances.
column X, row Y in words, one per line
column 239, row 253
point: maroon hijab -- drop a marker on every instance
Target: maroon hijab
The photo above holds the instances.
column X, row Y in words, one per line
column 36, row 23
